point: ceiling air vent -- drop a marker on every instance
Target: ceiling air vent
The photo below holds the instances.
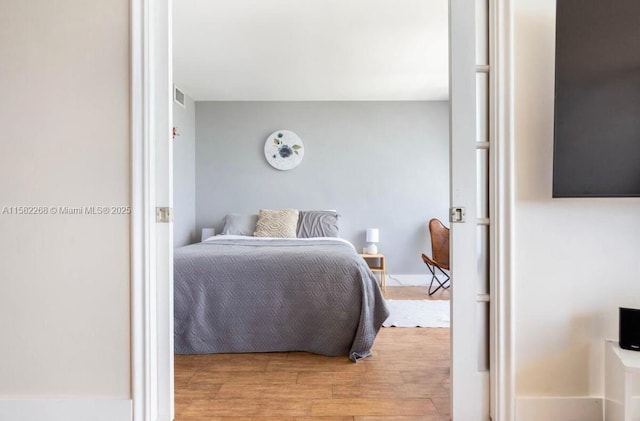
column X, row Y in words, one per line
column 178, row 96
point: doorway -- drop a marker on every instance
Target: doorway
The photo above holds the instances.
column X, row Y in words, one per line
column 466, row 91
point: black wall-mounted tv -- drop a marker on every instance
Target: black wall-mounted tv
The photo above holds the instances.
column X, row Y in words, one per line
column 597, row 102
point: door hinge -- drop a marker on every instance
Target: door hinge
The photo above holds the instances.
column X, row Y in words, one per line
column 456, row 215
column 164, row 215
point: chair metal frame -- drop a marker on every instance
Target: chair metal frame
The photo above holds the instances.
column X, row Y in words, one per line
column 434, row 277
column 440, row 251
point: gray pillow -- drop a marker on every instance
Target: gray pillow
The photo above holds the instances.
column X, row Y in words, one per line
column 318, row 224
column 239, row 224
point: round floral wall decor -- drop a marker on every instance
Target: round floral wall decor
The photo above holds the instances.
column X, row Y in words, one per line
column 284, row 150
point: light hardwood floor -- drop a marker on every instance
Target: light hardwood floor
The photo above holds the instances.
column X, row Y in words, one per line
column 406, row 379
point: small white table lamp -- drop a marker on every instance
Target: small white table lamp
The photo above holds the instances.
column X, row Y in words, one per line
column 373, row 237
column 206, row 233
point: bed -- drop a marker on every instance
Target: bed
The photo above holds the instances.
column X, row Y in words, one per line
column 246, row 294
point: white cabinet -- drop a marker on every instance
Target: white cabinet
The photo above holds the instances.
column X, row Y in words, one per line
column 621, row 370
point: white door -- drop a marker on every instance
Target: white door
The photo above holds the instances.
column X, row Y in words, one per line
column 161, row 53
column 469, row 32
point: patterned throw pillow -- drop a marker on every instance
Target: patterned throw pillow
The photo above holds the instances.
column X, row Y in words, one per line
column 280, row 224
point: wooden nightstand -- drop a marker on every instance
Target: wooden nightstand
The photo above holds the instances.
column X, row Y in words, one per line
column 377, row 263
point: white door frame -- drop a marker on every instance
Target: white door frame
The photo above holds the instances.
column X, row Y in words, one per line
column 148, row 32
column 143, row 363
column 151, row 245
column 502, row 312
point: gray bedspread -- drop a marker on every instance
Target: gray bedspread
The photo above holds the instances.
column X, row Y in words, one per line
column 250, row 295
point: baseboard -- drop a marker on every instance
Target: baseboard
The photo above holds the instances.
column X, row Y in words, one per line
column 66, row 409
column 614, row 409
column 410, row 279
column 559, row 409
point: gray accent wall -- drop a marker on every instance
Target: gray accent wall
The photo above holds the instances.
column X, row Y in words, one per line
column 379, row 164
column 184, row 174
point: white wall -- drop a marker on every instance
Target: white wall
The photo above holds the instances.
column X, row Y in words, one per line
column 577, row 259
column 64, row 307
column 184, row 174
column 64, row 118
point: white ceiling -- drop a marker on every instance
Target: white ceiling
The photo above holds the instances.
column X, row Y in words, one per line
column 288, row 50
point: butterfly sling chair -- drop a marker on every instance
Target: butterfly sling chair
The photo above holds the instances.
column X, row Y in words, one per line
column 439, row 262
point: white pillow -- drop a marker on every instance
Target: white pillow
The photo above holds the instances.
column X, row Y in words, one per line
column 277, row 223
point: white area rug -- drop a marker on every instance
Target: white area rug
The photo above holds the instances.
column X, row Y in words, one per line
column 410, row 280
column 421, row 313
